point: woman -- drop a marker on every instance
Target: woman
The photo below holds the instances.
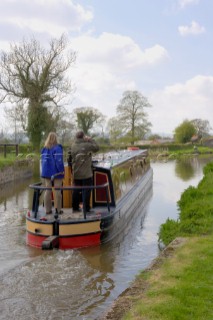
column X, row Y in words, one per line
column 52, row 170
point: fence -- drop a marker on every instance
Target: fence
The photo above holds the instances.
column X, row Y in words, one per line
column 4, row 146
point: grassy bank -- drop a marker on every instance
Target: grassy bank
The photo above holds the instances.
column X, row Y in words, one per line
column 195, row 211
column 180, row 288
column 179, row 285
column 12, row 159
column 174, row 151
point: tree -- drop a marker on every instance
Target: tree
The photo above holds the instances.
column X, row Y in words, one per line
column 202, row 127
column 154, row 136
column 115, row 131
column 132, row 117
column 16, row 118
column 36, row 77
column 87, row 117
column 66, row 128
column 184, row 132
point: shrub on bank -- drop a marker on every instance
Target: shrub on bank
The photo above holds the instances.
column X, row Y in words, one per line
column 25, row 148
column 169, row 231
column 208, row 168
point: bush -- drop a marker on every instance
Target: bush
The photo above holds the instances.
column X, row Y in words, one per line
column 189, row 195
column 195, row 226
column 169, row 231
column 195, row 210
column 206, row 185
column 25, row 148
column 208, row 168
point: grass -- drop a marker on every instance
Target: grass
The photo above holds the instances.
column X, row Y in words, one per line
column 190, row 150
column 181, row 289
column 12, row 158
column 8, row 161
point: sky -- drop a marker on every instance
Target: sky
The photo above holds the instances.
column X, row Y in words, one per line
column 160, row 48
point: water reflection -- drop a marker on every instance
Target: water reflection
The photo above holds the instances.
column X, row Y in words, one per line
column 81, row 284
column 186, row 167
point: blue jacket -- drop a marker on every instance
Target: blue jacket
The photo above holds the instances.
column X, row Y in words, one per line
column 52, row 162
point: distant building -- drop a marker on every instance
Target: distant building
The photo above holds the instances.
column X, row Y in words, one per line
column 195, row 138
column 208, row 142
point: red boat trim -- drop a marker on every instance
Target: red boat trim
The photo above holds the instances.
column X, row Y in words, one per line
column 35, row 240
column 78, row 235
column 79, row 241
column 66, row 242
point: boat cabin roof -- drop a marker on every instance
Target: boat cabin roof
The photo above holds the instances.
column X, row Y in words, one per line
column 115, row 158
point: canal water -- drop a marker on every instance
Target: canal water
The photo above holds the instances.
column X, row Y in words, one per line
column 82, row 284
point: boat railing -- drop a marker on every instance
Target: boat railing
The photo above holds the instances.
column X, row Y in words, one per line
column 39, row 188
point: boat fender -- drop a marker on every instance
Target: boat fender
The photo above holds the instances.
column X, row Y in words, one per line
column 50, row 242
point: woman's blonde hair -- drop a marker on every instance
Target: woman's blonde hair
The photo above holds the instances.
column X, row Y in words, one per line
column 51, row 140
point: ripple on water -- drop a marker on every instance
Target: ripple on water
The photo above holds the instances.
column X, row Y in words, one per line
column 61, row 278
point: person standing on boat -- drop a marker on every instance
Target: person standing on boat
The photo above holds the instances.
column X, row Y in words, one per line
column 81, row 152
column 52, row 170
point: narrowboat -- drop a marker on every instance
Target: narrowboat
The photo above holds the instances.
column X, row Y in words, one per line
column 121, row 181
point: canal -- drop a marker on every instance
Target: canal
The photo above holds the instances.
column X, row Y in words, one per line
column 82, row 284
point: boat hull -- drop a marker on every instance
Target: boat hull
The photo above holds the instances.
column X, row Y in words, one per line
column 64, row 243
column 69, row 234
column 128, row 208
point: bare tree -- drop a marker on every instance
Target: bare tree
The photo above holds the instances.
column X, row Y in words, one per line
column 34, row 76
column 115, row 132
column 66, row 128
column 16, row 116
column 132, row 117
column 202, row 127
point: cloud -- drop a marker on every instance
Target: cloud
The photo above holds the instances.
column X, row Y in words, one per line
column 117, row 51
column 106, row 66
column 190, row 100
column 51, row 16
column 184, row 3
column 193, row 29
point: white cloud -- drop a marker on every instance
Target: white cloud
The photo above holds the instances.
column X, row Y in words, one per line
column 193, row 29
column 184, row 3
column 50, row 16
column 190, row 100
column 106, row 67
column 117, row 51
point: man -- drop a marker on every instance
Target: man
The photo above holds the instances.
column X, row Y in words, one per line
column 81, row 152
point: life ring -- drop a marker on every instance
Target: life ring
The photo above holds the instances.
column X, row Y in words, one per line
column 133, row 148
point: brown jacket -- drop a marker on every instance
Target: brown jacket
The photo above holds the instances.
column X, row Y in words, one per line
column 81, row 152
